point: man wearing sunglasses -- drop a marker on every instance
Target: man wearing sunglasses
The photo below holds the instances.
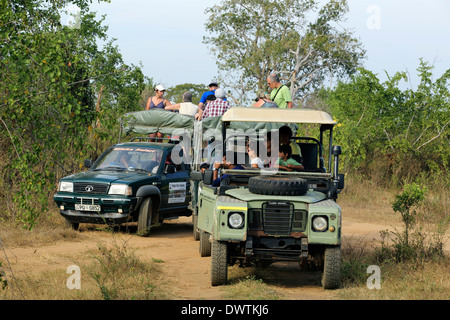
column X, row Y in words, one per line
column 280, row 94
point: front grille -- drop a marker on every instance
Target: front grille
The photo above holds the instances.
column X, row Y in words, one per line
column 277, row 217
column 87, row 201
column 90, row 188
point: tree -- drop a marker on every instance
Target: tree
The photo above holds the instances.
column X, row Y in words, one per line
column 253, row 38
column 404, row 131
column 55, row 84
column 174, row 94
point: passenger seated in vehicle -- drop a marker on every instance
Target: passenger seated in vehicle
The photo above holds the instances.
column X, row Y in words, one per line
column 255, row 160
column 204, row 166
column 285, row 139
column 285, row 162
column 225, row 165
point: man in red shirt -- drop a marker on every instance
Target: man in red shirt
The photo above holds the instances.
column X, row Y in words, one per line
column 217, row 107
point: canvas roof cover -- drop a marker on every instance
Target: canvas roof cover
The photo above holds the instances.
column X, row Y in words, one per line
column 278, row 115
column 166, row 122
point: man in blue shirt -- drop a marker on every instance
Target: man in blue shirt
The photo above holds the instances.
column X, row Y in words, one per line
column 212, row 89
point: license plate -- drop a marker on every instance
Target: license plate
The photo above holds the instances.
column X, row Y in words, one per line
column 87, row 207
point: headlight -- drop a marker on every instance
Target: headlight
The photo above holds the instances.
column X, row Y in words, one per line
column 320, row 224
column 236, row 220
column 120, row 189
column 65, row 186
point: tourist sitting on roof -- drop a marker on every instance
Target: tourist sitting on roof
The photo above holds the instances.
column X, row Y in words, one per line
column 186, row 107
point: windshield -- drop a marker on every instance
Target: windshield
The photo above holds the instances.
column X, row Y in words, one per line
column 130, row 159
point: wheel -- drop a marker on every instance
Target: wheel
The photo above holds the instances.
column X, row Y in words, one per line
column 72, row 225
column 145, row 217
column 205, row 245
column 278, row 185
column 219, row 263
column 331, row 277
column 195, row 231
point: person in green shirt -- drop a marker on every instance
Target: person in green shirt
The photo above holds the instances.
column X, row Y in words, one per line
column 280, row 94
column 285, row 162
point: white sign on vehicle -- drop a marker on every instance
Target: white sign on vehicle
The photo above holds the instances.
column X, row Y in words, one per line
column 177, row 192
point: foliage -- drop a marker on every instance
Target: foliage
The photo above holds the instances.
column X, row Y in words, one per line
column 58, row 93
column 412, row 243
column 296, row 39
column 411, row 197
column 175, row 94
column 399, row 133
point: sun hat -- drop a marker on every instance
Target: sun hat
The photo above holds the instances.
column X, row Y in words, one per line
column 160, row 88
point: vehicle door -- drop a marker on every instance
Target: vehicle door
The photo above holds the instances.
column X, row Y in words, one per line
column 175, row 185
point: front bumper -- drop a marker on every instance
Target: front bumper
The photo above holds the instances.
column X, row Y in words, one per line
column 94, row 217
column 113, row 210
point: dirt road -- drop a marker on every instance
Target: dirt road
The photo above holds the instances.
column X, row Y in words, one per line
column 189, row 273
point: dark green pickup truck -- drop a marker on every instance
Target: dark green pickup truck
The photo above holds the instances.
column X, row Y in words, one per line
column 133, row 181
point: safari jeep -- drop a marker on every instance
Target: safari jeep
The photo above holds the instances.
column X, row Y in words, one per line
column 133, row 181
column 259, row 216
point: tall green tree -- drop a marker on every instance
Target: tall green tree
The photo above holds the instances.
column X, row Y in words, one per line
column 175, row 93
column 404, row 131
column 299, row 40
column 59, row 93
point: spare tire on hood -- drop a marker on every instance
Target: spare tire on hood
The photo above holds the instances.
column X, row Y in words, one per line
column 278, row 185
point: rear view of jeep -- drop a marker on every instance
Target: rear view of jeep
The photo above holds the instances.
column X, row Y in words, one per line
column 257, row 216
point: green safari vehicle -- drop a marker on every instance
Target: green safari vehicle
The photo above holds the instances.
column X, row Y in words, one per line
column 259, row 216
column 135, row 181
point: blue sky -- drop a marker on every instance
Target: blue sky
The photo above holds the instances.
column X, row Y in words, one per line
column 166, row 36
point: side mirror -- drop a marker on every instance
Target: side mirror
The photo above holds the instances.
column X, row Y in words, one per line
column 88, row 163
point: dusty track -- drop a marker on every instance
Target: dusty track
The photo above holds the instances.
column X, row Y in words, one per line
column 187, row 274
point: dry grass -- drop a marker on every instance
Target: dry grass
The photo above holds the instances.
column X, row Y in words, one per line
column 245, row 284
column 364, row 201
column 423, row 279
column 405, row 281
column 112, row 272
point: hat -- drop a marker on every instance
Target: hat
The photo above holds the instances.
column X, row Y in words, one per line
column 213, row 84
column 187, row 97
column 160, row 88
column 219, row 93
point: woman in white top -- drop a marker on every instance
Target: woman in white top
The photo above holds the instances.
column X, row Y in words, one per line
column 186, row 107
column 255, row 161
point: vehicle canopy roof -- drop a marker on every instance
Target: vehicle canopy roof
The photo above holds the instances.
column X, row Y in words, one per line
column 150, row 121
column 166, row 122
column 278, row 115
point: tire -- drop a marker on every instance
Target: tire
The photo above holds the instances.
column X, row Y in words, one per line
column 278, row 185
column 219, row 263
column 195, row 231
column 72, row 225
column 205, row 245
column 145, row 217
column 331, row 277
